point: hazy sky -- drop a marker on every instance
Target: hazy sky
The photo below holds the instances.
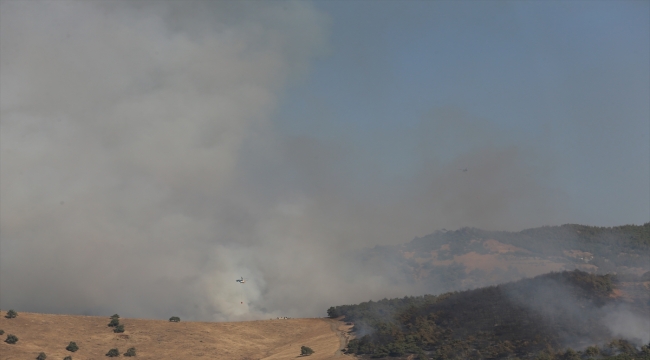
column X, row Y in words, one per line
column 153, row 152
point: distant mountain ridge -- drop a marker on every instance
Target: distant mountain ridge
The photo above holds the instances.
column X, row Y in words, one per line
column 551, row 240
column 469, row 258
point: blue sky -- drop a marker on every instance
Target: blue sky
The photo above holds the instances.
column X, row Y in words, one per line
column 568, row 81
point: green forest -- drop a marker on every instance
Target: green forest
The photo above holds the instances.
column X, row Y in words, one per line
column 537, row 318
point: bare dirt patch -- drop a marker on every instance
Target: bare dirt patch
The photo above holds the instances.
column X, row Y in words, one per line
column 579, row 255
column 492, row 262
column 498, row 247
column 159, row 339
column 483, row 262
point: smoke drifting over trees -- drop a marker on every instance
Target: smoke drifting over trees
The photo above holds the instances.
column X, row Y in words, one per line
column 144, row 170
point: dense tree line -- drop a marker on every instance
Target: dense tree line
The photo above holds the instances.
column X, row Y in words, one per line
column 531, row 318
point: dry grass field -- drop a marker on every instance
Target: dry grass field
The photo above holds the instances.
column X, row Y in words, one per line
column 159, row 339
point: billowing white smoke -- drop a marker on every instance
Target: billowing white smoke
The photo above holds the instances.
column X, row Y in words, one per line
column 141, row 173
column 122, row 125
column 627, row 325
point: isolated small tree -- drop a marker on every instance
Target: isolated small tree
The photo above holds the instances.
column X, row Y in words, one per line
column 306, row 351
column 114, row 322
column 113, row 353
column 11, row 339
column 174, row 319
column 115, row 316
column 130, row 352
column 41, row 356
column 332, row 313
column 11, row 314
column 72, row 346
column 119, row 329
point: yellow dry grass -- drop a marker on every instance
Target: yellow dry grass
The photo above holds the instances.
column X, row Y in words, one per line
column 159, row 339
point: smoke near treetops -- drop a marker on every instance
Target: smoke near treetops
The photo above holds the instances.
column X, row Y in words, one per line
column 154, row 152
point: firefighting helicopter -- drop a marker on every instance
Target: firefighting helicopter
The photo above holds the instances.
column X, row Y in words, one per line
column 241, row 281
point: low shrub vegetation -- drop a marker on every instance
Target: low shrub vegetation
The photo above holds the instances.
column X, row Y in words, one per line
column 115, row 316
column 306, row 351
column 113, row 353
column 114, row 322
column 119, row 329
column 174, row 319
column 2, row 332
column 11, row 314
column 67, row 358
column 130, row 352
column 41, row 356
column 72, row 346
column 11, row 339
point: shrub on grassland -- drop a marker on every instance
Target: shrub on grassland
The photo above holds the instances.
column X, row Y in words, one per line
column 11, row 339
column 72, row 346
column 113, row 353
column 306, row 350
column 130, row 352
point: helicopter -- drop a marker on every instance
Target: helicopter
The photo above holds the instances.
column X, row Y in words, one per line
column 241, row 281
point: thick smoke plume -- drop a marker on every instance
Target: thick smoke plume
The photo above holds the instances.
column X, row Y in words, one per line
column 584, row 322
column 142, row 173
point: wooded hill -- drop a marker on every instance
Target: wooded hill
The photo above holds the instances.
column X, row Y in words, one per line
column 470, row 258
column 538, row 318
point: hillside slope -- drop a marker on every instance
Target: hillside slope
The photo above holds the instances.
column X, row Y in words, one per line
column 525, row 318
column 158, row 339
column 469, row 258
